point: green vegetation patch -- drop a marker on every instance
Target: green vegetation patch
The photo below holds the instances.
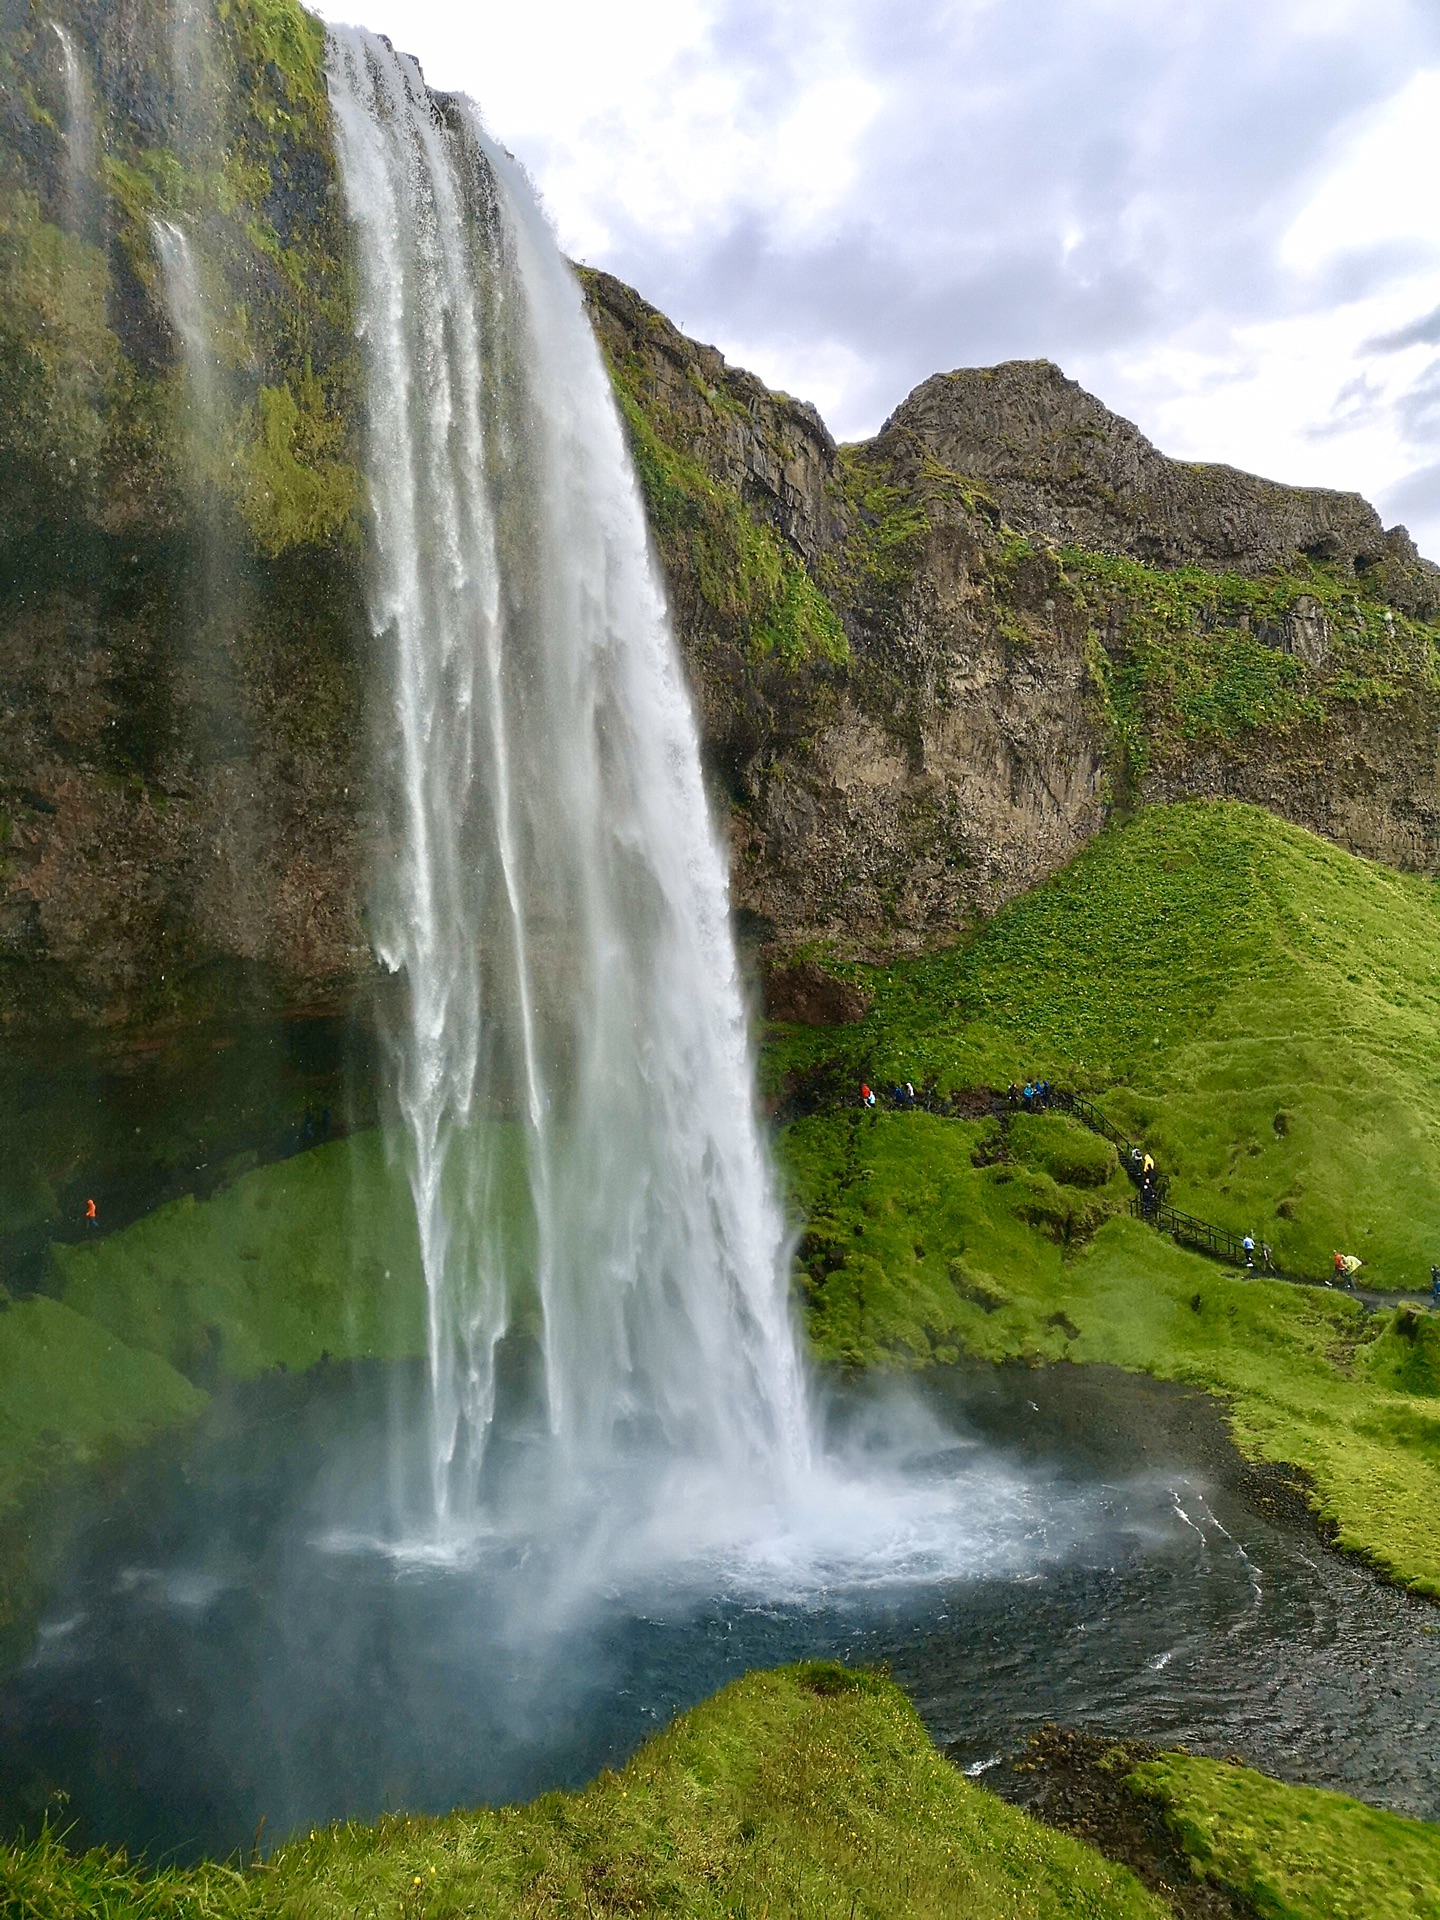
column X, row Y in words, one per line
column 72, row 1393
column 1298, row 1853
column 92, row 377
column 1069, row 1152
column 59, row 363
column 812, row 1791
column 1262, row 1010
column 313, row 1256
column 72, row 1398
column 734, row 561
column 1193, row 654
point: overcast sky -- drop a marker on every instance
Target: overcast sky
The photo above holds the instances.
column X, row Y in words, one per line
column 1222, row 216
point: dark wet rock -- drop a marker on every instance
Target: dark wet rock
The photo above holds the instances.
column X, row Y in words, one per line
column 1076, row 1782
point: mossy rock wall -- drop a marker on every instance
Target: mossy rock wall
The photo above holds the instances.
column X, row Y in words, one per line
column 926, row 669
column 183, row 645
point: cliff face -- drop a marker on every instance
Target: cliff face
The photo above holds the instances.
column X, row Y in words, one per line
column 925, row 668
column 182, row 636
column 1044, row 617
column 1062, row 467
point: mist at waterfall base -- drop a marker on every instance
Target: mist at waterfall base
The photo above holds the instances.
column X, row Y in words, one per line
column 1071, row 1544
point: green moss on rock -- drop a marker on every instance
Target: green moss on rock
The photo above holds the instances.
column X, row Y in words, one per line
column 1195, row 654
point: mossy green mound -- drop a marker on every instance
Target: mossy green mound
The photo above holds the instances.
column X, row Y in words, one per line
column 312, row 1256
column 813, row 1791
column 1069, row 1152
column 1298, row 1853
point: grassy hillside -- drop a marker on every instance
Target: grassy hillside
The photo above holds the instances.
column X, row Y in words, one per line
column 72, row 1396
column 813, row 1791
column 1264, row 1011
column 312, row 1255
column 1261, row 1007
column 1298, row 1853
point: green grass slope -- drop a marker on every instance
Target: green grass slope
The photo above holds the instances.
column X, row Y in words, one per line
column 72, row 1397
column 1264, row 1011
column 812, row 1791
column 1262, row 1007
column 312, row 1255
column 1297, row 1853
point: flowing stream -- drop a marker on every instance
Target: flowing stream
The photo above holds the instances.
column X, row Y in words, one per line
column 571, row 1062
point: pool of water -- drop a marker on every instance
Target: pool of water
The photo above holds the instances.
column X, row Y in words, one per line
column 239, row 1637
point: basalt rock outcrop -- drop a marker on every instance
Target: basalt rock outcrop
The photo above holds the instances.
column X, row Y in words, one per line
column 1044, row 618
column 926, row 669
column 1060, row 466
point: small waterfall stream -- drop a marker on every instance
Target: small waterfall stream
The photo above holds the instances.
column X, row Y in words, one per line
column 79, row 131
column 572, row 1062
column 185, row 304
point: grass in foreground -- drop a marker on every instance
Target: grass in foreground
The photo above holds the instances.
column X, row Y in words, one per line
column 1298, row 1853
column 813, row 1791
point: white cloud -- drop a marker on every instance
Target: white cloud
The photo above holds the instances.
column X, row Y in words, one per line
column 1381, row 192
column 1208, row 213
column 1336, row 391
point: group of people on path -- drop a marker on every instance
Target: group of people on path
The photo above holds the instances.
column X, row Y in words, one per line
column 901, row 1095
column 1034, row 1096
column 1146, row 1176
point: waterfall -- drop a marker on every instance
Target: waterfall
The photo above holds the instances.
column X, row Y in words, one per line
column 79, row 132
column 572, row 1066
column 185, row 306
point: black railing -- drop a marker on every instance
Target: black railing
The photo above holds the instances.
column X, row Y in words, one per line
column 1193, row 1231
column 1132, row 1152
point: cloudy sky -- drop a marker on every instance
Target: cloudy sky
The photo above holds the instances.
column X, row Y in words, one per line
column 1222, row 216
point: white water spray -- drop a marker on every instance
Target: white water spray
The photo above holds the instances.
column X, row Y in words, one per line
column 573, row 1067
column 185, row 306
column 79, row 130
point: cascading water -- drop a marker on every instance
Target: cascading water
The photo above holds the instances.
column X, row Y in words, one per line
column 79, row 130
column 185, row 305
column 572, row 1063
